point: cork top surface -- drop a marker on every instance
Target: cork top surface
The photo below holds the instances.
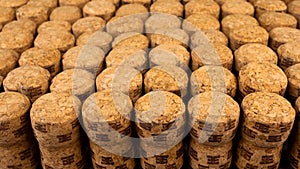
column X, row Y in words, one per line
column 14, row 3
column 7, row 57
column 13, row 105
column 158, row 21
column 54, row 25
column 270, row 5
column 284, row 34
column 215, row 105
column 21, row 24
column 277, row 18
column 267, row 107
column 202, row 22
column 99, row 7
column 214, row 36
column 290, row 49
column 294, row 7
column 91, row 23
column 95, row 38
column 159, row 107
column 249, row 33
column 131, row 39
column 131, row 9
column 203, row 6
column 174, row 33
column 7, row 14
column 238, row 7
column 12, row 39
column 66, row 13
column 293, row 74
column 169, row 7
column 55, row 108
column 47, row 3
column 237, row 20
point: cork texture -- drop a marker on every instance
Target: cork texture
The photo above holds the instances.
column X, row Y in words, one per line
column 118, row 25
column 263, row 6
column 293, row 8
column 66, row 13
column 54, row 25
column 32, row 81
column 213, row 36
column 22, row 24
column 161, row 21
column 51, row 4
column 13, row 4
column 289, row 54
column 7, row 15
column 293, row 75
column 221, row 2
column 202, row 7
column 78, row 3
column 146, row 3
column 169, row 36
column 19, row 40
column 95, row 8
column 196, row 22
column 282, row 35
column 37, row 14
column 8, row 60
column 267, row 119
column 270, row 20
column 131, row 39
column 135, row 9
column 88, row 24
column 237, row 7
column 168, row 7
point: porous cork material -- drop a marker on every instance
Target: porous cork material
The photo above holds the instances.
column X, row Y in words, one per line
column 234, row 21
column 66, row 13
column 170, row 54
column 168, row 7
column 88, row 24
column 282, row 35
column 51, row 4
column 123, row 79
column 169, row 36
column 18, row 40
column 127, row 56
column 214, row 55
column 47, row 59
column 131, row 39
column 1, row 80
column 208, row 7
column 248, row 34
column 270, row 20
column 100, row 39
column 293, row 152
column 249, row 155
column 78, row 3
column 213, row 78
column 13, row 4
column 166, row 78
column 253, row 52
column 214, row 118
column 55, row 39
column 199, row 22
column 106, row 118
column 37, row 14
column 104, row 9
column 221, row 2
column 15, row 122
column 262, row 77
column 7, row 15
column 161, row 21
column 263, row 6
column 8, row 61
column 210, row 156
column 237, row 7
column 54, row 25
column 22, row 24
column 289, row 54
column 294, row 9
column 212, row 36
column 267, row 119
column 76, row 82
column 87, row 57
column 32, row 81
column 138, row 10
column 119, row 25
column 54, row 118
column 293, row 75
column 146, row 3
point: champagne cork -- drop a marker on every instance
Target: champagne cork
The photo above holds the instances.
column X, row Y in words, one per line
column 292, row 74
column 213, row 36
column 208, row 7
column 37, row 14
column 200, row 22
column 95, row 8
column 237, row 7
column 88, row 24
column 282, row 35
column 66, row 13
column 118, row 25
column 22, row 24
column 263, row 6
column 138, row 10
column 168, row 7
column 18, row 40
column 79, row 3
column 131, row 39
column 8, row 61
column 161, row 21
column 289, row 54
column 54, row 25
column 7, row 15
column 270, row 20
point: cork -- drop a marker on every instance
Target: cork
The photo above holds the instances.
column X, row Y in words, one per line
column 8, row 60
column 23, row 24
column 15, row 123
column 54, row 25
column 172, row 158
column 76, row 82
column 221, row 2
column 138, row 10
column 217, row 55
column 102, row 157
column 200, row 22
column 213, row 36
column 214, row 118
column 262, row 77
column 208, row 7
column 106, row 118
column 51, row 4
column 68, row 157
column 292, row 74
column 124, row 79
column 37, row 14
column 161, row 21
column 210, row 156
column 88, row 24
column 146, row 3
column 119, row 25
column 293, row 152
column 131, row 39
column 232, row 22
column 237, row 7
column 166, row 78
column 170, row 54
column 248, row 34
column 282, row 35
column 78, row 3
column 249, row 155
column 270, row 20
column 87, row 57
column 18, row 40
column 55, row 39
column 22, row 155
column 268, row 119
column 54, row 118
column 99, row 39
column 293, row 8
column 289, row 54
column 168, row 7
column 66, row 13
column 95, row 8
column 116, row 3
column 169, row 36
column 13, row 4
column 127, row 56
column 1, row 80
column 213, row 78
column 31, row 81
column 253, row 52
column 47, row 59
column 263, row 6
column 7, row 15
